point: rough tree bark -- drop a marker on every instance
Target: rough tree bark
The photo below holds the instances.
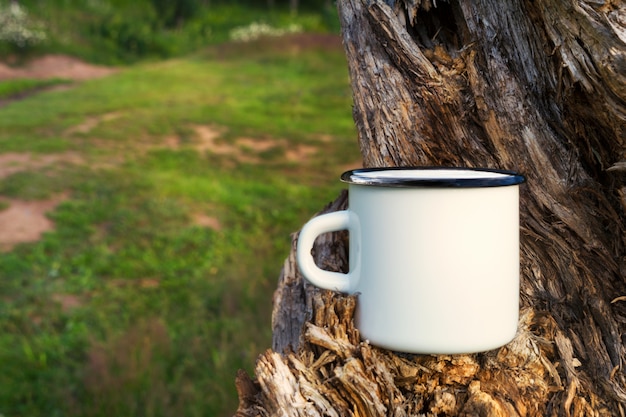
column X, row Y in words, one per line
column 536, row 86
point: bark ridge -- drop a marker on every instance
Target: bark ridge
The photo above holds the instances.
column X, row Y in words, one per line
column 536, row 86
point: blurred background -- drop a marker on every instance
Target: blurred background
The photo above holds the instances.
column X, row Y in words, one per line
column 155, row 156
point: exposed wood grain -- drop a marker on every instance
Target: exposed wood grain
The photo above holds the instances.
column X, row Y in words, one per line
column 334, row 373
column 537, row 86
column 292, row 298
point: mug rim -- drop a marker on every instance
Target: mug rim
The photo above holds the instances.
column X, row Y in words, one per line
column 392, row 177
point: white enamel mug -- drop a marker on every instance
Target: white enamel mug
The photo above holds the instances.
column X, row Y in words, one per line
column 434, row 257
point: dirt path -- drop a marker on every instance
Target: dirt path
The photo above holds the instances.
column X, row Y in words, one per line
column 55, row 66
column 25, row 221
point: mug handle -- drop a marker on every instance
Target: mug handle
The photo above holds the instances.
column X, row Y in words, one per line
column 330, row 222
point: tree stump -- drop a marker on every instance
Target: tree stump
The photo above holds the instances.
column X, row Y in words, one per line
column 536, row 86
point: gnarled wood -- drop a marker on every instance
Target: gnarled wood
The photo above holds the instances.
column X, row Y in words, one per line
column 537, row 86
column 334, row 373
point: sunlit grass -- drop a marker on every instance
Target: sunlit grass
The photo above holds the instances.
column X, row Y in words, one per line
column 130, row 306
column 20, row 87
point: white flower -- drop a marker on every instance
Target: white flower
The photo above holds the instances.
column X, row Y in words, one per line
column 16, row 28
column 255, row 30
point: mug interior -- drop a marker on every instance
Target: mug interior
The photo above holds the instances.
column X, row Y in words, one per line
column 432, row 177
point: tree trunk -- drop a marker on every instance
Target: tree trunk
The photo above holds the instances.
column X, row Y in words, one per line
column 536, row 86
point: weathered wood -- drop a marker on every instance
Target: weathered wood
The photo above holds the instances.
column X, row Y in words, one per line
column 537, row 86
column 334, row 373
column 292, row 298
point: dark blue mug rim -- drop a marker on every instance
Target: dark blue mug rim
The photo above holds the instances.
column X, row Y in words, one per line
column 504, row 178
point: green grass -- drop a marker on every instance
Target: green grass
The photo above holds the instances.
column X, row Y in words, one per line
column 161, row 311
column 21, row 87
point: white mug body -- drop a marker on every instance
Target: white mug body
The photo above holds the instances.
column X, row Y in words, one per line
column 435, row 266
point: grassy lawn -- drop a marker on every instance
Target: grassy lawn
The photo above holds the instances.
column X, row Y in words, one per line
column 20, row 87
column 179, row 184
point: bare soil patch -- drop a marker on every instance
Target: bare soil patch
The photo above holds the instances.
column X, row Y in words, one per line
column 204, row 220
column 92, row 122
column 243, row 149
column 13, row 162
column 25, row 221
column 55, row 66
column 288, row 44
column 67, row 302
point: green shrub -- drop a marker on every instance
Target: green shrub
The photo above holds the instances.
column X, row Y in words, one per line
column 129, row 35
column 115, row 32
column 174, row 13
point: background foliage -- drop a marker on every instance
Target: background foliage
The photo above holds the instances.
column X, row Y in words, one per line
column 118, row 32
